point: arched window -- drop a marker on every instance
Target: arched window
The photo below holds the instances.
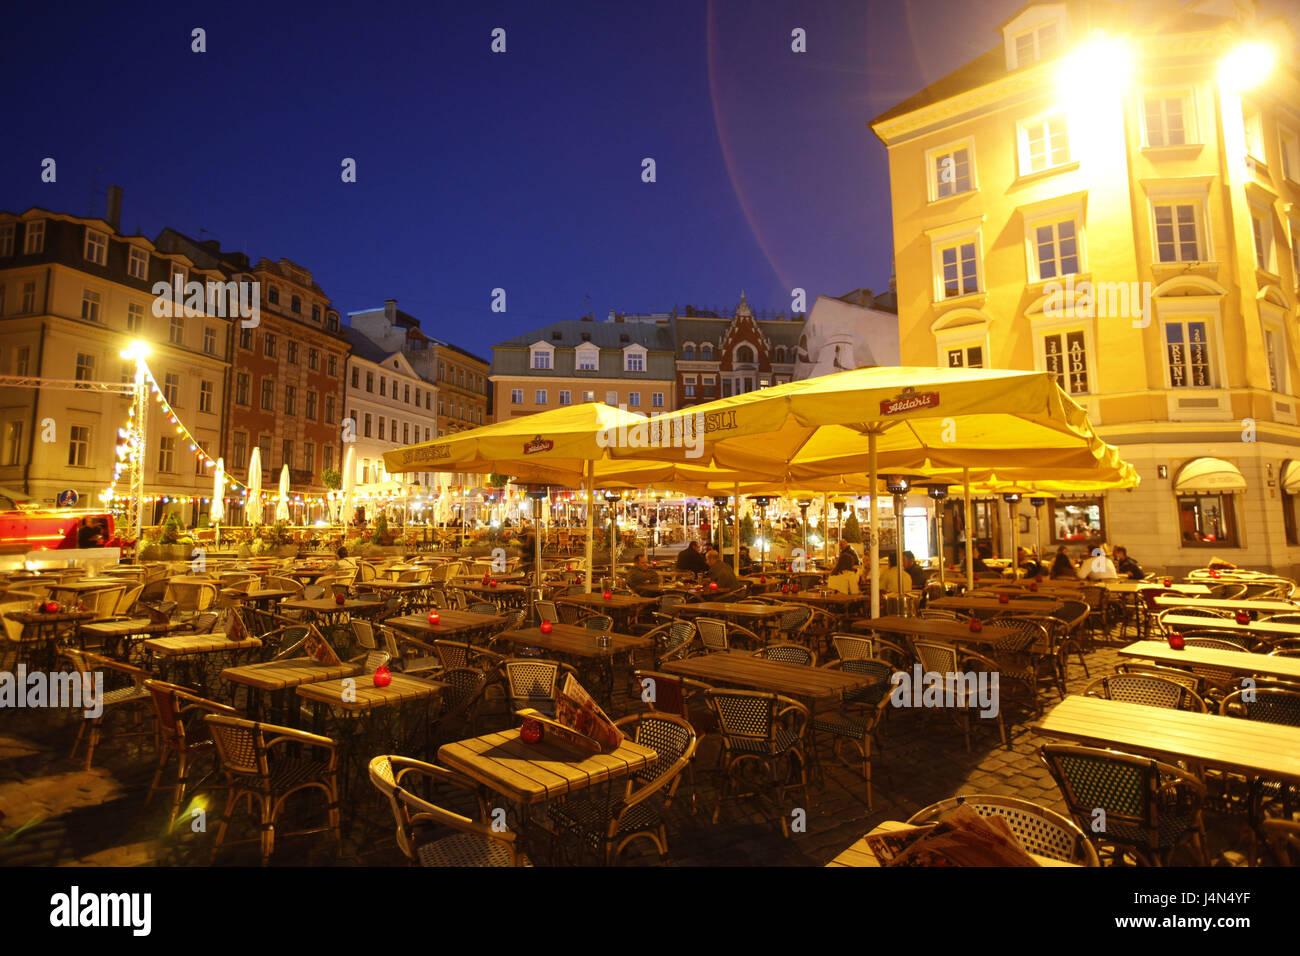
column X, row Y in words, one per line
column 688, row 351
column 706, row 352
column 779, row 355
column 745, row 355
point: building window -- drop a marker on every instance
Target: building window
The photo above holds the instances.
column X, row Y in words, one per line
column 1166, row 119
column 657, row 399
column 688, row 386
column 381, row 428
column 951, row 171
column 290, row 400
column 541, row 359
column 313, row 360
column 206, row 391
column 634, row 361
column 309, row 457
column 1178, row 232
column 241, row 388
column 137, row 263
column 1188, row 353
column 588, row 359
column 13, row 443
column 134, row 317
column 311, row 405
column 1206, row 521
column 315, row 314
column 239, row 450
column 171, row 388
column 688, row 352
column 366, row 430
column 1254, row 132
column 166, row 454
column 565, row 396
column 85, row 367
column 588, row 396
column 406, row 394
column 327, row 453
column 246, row 339
column 286, row 452
column 291, row 353
column 970, row 356
column 383, row 385
column 1056, row 249
column 1044, row 144
column 34, row 237
column 29, row 298
column 7, row 230
column 176, row 330
column 706, row 352
column 96, row 250
column 428, row 400
column 177, row 274
column 356, row 377
column 1065, row 355
column 295, row 303
column 89, row 305
column 209, row 340
column 268, row 345
column 960, row 269
column 539, row 397
column 370, row 382
column 1290, row 152
column 264, row 446
column 1076, row 520
column 406, row 433
column 633, row 399
column 516, row 397
column 1261, row 227
column 329, row 409
column 268, row 394
column 79, row 445
column 22, row 360
column 272, row 295
column 1036, row 45
column 1276, row 356
column 333, row 366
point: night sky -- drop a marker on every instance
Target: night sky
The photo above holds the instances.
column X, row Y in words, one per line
column 477, row 170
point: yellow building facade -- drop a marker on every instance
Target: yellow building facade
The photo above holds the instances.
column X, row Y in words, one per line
column 1112, row 194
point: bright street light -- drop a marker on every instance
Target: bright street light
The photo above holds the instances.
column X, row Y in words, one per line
column 136, row 350
column 1247, row 66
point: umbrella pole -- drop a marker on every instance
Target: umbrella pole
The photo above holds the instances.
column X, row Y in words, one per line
column 1013, row 517
column 1038, row 531
column 872, row 479
column 735, row 529
column 826, row 527
column 591, row 528
column 938, row 523
column 970, row 530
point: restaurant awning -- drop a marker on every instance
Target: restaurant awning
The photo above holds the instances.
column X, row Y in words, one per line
column 1209, row 475
column 1291, row 477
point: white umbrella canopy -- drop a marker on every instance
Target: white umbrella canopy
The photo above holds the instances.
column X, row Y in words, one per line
column 282, row 502
column 217, row 513
column 349, row 482
column 254, row 508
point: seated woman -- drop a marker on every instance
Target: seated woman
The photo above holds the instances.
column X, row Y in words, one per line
column 1062, row 566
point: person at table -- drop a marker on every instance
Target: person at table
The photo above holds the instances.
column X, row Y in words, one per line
column 89, row 535
column 690, row 559
column 914, row 571
column 641, row 575
column 1127, row 566
column 1029, row 564
column 720, row 571
column 1097, row 567
column 1062, row 566
column 746, row 562
column 982, row 551
column 844, row 574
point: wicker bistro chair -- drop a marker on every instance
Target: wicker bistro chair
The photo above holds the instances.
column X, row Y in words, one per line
column 716, row 635
column 256, row 768
column 1040, row 831
column 794, row 622
column 534, row 683
column 861, row 713
column 609, row 826
column 191, row 595
column 180, row 732
column 547, row 611
column 1230, row 640
column 473, row 843
column 597, row 622
column 124, row 692
column 1148, row 689
column 673, row 640
column 460, row 703
column 761, row 731
column 1024, row 647
column 1283, row 838
column 788, row 654
column 1151, row 808
column 1206, row 612
column 1193, row 682
column 856, row 646
column 483, row 607
column 945, row 659
column 683, row 697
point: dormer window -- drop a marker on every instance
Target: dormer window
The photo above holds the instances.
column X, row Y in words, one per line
column 688, row 351
column 541, row 356
column 1036, row 45
column 587, row 357
column 1038, row 33
column 634, row 358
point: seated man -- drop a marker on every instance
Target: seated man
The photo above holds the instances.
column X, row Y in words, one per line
column 914, row 571
column 1030, row 566
column 746, row 562
column 642, row 575
column 1097, row 567
column 690, row 559
column 1127, row 566
column 722, row 573
column 982, row 551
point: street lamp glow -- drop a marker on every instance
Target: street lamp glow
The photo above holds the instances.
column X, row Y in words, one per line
column 1247, row 66
column 136, row 350
column 1101, row 67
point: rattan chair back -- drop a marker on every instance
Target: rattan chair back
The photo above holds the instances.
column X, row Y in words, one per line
column 1040, row 831
column 1148, row 689
column 788, row 654
column 1270, row 704
column 713, row 634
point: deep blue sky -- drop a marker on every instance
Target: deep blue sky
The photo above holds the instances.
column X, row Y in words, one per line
column 478, row 170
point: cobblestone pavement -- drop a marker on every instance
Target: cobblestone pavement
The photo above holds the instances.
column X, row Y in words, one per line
column 56, row 813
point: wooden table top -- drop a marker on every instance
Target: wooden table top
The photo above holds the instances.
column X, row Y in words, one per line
column 181, row 645
column 40, row 617
column 327, row 605
column 90, row 584
column 1021, row 605
column 597, row 600
column 379, row 585
column 578, row 641
column 1193, row 589
column 281, row 675
column 134, row 625
column 860, row 853
column 735, row 608
column 366, row 695
column 1188, row 622
column 1267, row 606
column 505, row 578
column 451, row 622
column 739, row 668
column 1238, row 662
column 270, row 594
column 946, row 632
column 837, row 599
column 1233, row 743
column 533, row 773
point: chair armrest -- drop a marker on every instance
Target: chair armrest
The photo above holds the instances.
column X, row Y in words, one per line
column 291, row 736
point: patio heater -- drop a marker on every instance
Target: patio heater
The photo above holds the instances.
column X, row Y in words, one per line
column 937, row 494
column 1038, row 524
column 839, row 510
column 762, row 501
column 538, row 494
column 804, row 504
column 898, row 486
column 1012, row 498
column 611, row 499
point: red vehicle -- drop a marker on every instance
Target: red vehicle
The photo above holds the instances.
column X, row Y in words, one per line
column 52, row 529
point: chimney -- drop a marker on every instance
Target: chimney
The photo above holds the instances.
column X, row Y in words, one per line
column 390, row 311
column 114, row 212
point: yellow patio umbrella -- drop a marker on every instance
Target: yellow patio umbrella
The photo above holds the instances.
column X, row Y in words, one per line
column 906, row 420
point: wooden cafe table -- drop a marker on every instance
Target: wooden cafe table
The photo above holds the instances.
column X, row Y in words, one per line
column 761, row 618
column 1251, row 747
column 583, row 644
column 1261, row 629
column 529, row 774
column 621, row 607
column 453, row 624
column 183, row 658
column 503, row 595
column 112, row 633
column 1236, row 662
column 279, row 677
column 1263, row 606
column 935, row 629
column 986, row 605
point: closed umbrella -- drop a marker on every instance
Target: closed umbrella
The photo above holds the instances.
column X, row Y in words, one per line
column 349, row 483
column 217, row 512
column 254, row 508
column 282, row 502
